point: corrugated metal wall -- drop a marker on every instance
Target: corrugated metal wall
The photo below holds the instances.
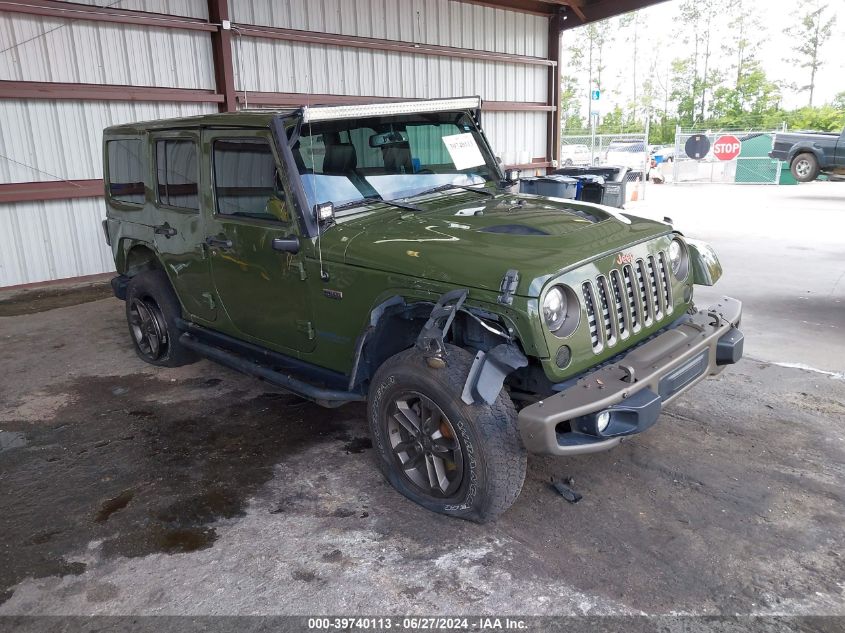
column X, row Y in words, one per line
column 280, row 66
column 44, row 140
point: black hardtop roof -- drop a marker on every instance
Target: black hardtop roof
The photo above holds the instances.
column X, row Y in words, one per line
column 242, row 118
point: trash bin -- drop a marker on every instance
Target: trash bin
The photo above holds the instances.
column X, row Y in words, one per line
column 613, row 190
column 552, row 186
column 592, row 188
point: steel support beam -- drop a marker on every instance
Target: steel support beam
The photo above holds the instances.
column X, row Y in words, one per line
column 103, row 92
column 295, row 99
column 556, row 23
column 73, row 11
column 221, row 48
column 52, row 190
column 354, row 41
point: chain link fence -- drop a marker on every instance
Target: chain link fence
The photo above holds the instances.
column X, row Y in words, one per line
column 628, row 151
column 751, row 166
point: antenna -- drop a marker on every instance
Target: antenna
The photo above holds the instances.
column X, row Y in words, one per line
column 323, row 274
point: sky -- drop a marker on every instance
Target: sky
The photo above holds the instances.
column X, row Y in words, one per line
column 659, row 39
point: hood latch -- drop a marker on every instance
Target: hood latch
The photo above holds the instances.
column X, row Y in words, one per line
column 508, row 287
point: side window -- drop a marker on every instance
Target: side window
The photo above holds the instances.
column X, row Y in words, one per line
column 176, row 173
column 246, row 182
column 126, row 170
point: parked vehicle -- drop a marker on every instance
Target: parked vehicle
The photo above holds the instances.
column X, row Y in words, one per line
column 378, row 253
column 630, row 154
column 575, row 155
column 665, row 154
column 810, row 153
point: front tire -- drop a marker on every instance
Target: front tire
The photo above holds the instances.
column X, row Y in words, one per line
column 465, row 461
column 152, row 310
column 805, row 167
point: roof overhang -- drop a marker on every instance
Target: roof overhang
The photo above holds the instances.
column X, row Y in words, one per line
column 575, row 12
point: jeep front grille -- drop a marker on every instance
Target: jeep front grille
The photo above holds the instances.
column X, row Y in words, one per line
column 626, row 300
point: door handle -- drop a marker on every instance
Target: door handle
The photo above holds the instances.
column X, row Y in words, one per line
column 218, row 242
column 166, row 230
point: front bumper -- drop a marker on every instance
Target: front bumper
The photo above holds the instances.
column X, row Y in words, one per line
column 634, row 389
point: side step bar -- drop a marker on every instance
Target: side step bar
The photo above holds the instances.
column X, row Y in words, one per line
column 325, row 397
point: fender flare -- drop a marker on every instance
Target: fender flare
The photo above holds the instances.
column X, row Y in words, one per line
column 803, row 148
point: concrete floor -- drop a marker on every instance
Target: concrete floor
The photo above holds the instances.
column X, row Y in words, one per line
column 127, row 489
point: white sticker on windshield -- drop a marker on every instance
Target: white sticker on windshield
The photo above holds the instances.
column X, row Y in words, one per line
column 463, row 150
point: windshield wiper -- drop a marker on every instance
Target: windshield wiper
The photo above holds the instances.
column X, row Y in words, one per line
column 366, row 199
column 483, row 192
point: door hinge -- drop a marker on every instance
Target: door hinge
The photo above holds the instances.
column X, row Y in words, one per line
column 302, row 274
column 307, row 328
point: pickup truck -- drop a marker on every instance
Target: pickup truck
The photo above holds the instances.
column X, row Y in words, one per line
column 811, row 153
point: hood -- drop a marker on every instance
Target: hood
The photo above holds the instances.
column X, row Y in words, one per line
column 472, row 241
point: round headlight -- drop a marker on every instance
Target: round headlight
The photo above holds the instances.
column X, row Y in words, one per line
column 677, row 258
column 554, row 309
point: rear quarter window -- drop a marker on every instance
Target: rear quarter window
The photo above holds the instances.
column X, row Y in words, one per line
column 127, row 166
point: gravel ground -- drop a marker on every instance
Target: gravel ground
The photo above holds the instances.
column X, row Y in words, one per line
column 127, row 489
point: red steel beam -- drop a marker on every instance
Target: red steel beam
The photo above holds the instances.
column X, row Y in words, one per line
column 221, row 48
column 73, row 11
column 296, row 99
column 352, row 41
column 553, row 132
column 52, row 190
column 100, row 92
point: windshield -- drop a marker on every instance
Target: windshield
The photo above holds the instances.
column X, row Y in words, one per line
column 390, row 157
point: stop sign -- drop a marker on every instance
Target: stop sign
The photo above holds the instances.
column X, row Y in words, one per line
column 726, row 147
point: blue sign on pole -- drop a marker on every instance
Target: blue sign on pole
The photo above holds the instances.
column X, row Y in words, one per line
column 596, row 94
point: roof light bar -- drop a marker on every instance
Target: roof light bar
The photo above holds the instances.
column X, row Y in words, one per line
column 332, row 113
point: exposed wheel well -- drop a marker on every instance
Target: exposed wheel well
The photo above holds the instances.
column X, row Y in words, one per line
column 398, row 325
column 138, row 259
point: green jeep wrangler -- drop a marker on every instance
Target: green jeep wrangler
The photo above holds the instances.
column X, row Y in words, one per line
column 379, row 253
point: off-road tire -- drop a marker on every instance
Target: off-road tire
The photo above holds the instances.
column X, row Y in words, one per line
column 494, row 459
column 805, row 167
column 152, row 289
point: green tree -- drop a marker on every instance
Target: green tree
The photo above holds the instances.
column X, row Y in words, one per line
column 810, row 35
column 753, row 99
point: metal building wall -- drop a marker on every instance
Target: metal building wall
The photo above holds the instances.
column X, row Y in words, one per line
column 48, row 140
column 58, row 139
column 263, row 65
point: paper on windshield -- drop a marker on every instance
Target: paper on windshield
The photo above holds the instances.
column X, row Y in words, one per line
column 464, row 150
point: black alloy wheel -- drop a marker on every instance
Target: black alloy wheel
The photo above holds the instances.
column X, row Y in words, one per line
column 425, row 444
column 148, row 328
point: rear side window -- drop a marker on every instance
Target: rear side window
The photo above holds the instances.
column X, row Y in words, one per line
column 245, row 180
column 176, row 174
column 126, row 170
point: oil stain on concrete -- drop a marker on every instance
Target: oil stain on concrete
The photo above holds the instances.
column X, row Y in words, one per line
column 121, row 467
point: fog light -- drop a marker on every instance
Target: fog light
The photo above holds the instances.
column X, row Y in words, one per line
column 602, row 420
column 564, row 355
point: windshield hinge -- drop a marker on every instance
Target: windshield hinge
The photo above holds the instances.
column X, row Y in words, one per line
column 508, row 287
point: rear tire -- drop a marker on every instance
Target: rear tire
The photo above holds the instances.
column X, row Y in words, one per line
column 465, row 461
column 152, row 310
column 805, row 167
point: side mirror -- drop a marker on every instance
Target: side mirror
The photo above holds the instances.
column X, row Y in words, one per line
column 289, row 244
column 499, row 160
column 324, row 212
column 512, row 175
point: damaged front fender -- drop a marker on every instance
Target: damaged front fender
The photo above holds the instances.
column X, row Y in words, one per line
column 488, row 372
